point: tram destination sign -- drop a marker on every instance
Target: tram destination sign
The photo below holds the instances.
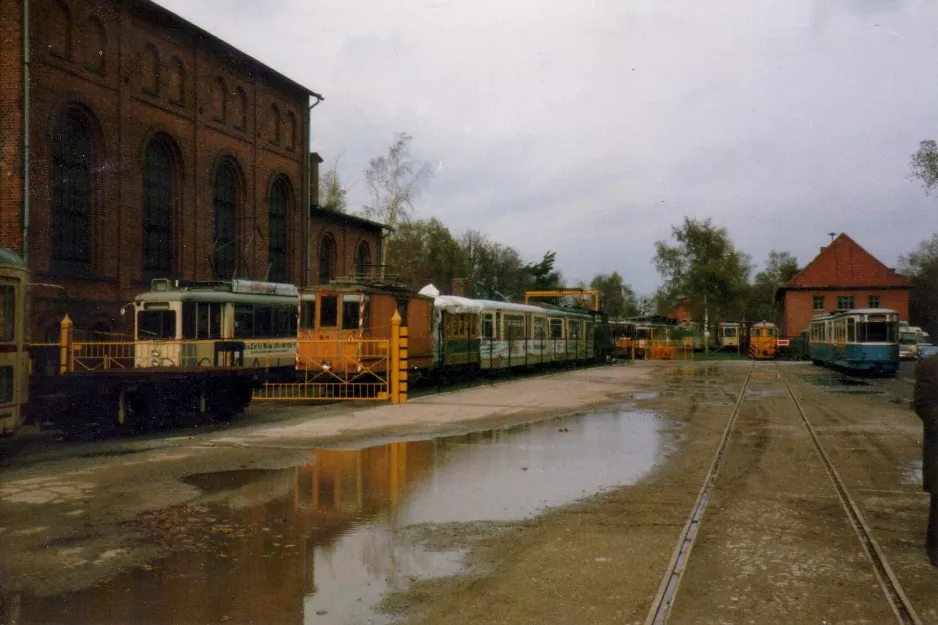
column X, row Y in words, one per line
column 783, row 342
column 255, row 287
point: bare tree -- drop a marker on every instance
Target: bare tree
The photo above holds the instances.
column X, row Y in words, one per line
column 394, row 180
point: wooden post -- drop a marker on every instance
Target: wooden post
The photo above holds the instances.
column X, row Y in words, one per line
column 394, row 359
column 65, row 343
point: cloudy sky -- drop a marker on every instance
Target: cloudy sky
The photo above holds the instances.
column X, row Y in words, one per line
column 590, row 127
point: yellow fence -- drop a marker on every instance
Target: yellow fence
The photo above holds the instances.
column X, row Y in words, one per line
column 668, row 350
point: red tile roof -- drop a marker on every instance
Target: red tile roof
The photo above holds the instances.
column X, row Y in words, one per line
column 844, row 263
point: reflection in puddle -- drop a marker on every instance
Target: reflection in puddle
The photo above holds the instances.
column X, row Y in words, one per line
column 324, row 542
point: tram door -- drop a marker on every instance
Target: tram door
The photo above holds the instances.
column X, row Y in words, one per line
column 14, row 363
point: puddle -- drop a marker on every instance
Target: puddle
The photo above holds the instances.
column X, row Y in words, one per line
column 650, row 395
column 325, row 542
column 755, row 392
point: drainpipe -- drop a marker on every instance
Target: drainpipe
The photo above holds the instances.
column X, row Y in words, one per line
column 309, row 182
column 25, row 130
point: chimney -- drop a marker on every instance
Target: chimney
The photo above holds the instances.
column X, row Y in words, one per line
column 459, row 287
column 314, row 161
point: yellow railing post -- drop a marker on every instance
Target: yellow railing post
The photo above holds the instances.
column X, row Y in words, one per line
column 65, row 343
column 402, row 364
column 394, row 358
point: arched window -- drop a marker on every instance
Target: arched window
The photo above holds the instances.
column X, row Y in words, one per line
column 363, row 259
column 71, row 190
column 177, row 81
column 59, row 30
column 220, row 100
column 95, row 39
column 273, row 124
column 225, row 210
column 150, row 69
column 291, row 131
column 277, row 249
column 241, row 109
column 157, row 208
column 326, row 259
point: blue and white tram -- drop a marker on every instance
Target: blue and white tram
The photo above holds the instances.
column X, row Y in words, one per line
column 861, row 341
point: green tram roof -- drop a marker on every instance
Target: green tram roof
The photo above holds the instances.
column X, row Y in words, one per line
column 9, row 257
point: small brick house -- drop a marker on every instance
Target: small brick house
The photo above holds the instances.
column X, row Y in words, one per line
column 842, row 276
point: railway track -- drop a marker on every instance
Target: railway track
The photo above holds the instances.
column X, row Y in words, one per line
column 667, row 593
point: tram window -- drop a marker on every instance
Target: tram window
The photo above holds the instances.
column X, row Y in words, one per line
column 488, row 330
column 329, row 311
column 6, row 385
column 729, row 332
column 877, row 332
column 771, row 332
column 308, row 315
column 851, row 330
column 208, row 321
column 189, row 320
column 556, row 328
column 243, row 321
column 756, row 332
column 573, row 329
column 540, row 328
column 7, row 313
column 263, row 322
column 156, row 324
column 350, row 315
column 284, row 321
column 514, row 327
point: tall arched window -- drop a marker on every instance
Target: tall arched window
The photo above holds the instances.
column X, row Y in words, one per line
column 150, row 69
column 157, row 208
column 277, row 248
column 220, row 100
column 177, row 81
column 241, row 109
column 71, row 190
column 291, row 131
column 326, row 259
column 94, row 42
column 58, row 25
column 363, row 259
column 273, row 124
column 225, row 209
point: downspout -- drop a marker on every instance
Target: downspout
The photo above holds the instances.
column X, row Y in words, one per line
column 26, row 131
column 309, row 183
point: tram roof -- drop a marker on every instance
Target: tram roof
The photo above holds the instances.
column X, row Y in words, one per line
column 9, row 257
column 456, row 305
column 855, row 311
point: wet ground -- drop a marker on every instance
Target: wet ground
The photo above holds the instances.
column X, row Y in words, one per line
column 565, row 519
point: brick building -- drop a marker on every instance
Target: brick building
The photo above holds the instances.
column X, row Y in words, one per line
column 136, row 145
column 842, row 276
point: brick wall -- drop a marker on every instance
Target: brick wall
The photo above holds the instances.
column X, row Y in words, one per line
column 134, row 74
column 799, row 305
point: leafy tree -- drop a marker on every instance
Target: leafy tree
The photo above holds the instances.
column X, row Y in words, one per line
column 924, row 165
column 334, row 194
column 543, row 275
column 615, row 296
column 921, row 269
column 424, row 252
column 704, row 269
column 779, row 269
column 394, row 180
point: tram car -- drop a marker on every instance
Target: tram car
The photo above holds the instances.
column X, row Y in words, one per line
column 862, row 341
column 649, row 334
column 729, row 334
column 490, row 335
column 343, row 326
column 763, row 341
column 689, row 335
column 236, row 324
column 621, row 335
column 14, row 358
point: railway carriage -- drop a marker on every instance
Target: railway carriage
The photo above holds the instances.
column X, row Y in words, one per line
column 343, row 326
column 729, row 334
column 14, row 358
column 859, row 341
column 763, row 341
column 491, row 335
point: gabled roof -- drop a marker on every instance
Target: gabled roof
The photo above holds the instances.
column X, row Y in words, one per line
column 845, row 264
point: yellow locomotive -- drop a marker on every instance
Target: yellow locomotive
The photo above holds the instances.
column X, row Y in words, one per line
column 763, row 341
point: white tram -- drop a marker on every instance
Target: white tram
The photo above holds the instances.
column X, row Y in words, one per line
column 14, row 359
column 236, row 324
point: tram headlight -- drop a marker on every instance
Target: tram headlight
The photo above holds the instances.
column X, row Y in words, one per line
column 155, row 362
column 155, row 353
column 326, row 365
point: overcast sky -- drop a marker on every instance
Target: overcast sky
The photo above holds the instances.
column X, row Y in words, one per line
column 590, row 127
